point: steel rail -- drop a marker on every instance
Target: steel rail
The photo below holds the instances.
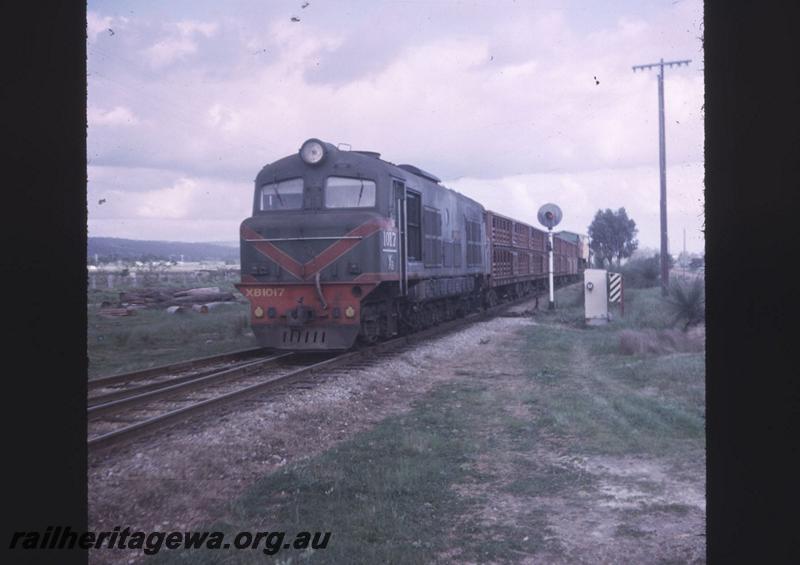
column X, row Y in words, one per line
column 101, row 382
column 125, row 392
column 127, row 432
column 184, row 386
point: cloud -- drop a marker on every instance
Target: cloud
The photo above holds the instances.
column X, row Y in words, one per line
column 97, row 25
column 117, row 116
column 169, row 50
column 225, row 119
column 533, row 95
column 188, row 229
column 188, row 28
column 173, row 202
column 180, row 44
column 147, row 196
column 581, row 194
column 476, row 93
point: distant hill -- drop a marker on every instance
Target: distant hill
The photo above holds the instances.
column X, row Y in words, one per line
column 117, row 249
column 225, row 243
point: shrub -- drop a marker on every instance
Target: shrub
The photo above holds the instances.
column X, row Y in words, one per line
column 687, row 301
column 659, row 342
column 642, row 273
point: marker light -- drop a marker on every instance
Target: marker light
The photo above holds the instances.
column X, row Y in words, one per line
column 312, row 151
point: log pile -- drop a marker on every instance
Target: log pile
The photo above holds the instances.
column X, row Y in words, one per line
column 117, row 312
column 169, row 299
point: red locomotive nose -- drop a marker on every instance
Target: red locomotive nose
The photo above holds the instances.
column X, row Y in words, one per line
column 300, row 315
column 292, row 315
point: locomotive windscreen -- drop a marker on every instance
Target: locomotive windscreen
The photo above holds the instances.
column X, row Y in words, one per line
column 282, row 195
column 343, row 192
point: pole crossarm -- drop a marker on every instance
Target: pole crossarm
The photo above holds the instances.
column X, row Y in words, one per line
column 662, row 64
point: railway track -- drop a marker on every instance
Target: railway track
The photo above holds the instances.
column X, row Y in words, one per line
column 120, row 416
column 165, row 371
column 125, row 407
column 152, row 386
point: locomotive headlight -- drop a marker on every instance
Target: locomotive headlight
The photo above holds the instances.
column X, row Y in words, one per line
column 312, row 151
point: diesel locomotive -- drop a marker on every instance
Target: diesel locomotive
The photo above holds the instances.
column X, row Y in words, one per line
column 344, row 246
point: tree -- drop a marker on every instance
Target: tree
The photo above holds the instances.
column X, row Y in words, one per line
column 612, row 234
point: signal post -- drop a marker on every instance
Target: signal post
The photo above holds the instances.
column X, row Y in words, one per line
column 549, row 216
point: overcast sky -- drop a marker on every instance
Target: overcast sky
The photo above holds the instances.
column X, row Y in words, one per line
column 514, row 103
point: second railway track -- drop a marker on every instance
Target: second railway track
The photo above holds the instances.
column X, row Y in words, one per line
column 117, row 420
column 131, row 391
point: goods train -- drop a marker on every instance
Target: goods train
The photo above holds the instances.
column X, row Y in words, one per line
column 345, row 246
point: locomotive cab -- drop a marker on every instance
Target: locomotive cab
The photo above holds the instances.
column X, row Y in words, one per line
column 321, row 238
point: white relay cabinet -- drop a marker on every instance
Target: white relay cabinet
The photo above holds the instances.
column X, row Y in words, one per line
column 595, row 289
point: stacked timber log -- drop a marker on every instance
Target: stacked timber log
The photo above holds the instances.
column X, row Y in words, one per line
column 117, row 311
column 202, row 295
column 170, row 299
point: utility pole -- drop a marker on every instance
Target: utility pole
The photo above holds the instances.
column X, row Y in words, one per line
column 662, row 162
column 685, row 257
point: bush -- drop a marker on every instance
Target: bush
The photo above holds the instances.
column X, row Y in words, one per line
column 659, row 342
column 644, row 272
column 687, row 301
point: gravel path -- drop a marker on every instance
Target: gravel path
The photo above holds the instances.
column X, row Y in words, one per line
column 183, row 479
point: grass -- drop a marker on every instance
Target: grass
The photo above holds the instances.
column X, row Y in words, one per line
column 644, row 308
column 388, row 495
column 385, row 496
column 155, row 337
column 412, row 488
column 611, row 403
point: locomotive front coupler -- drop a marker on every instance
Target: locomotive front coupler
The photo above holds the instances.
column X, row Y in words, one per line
column 300, row 315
